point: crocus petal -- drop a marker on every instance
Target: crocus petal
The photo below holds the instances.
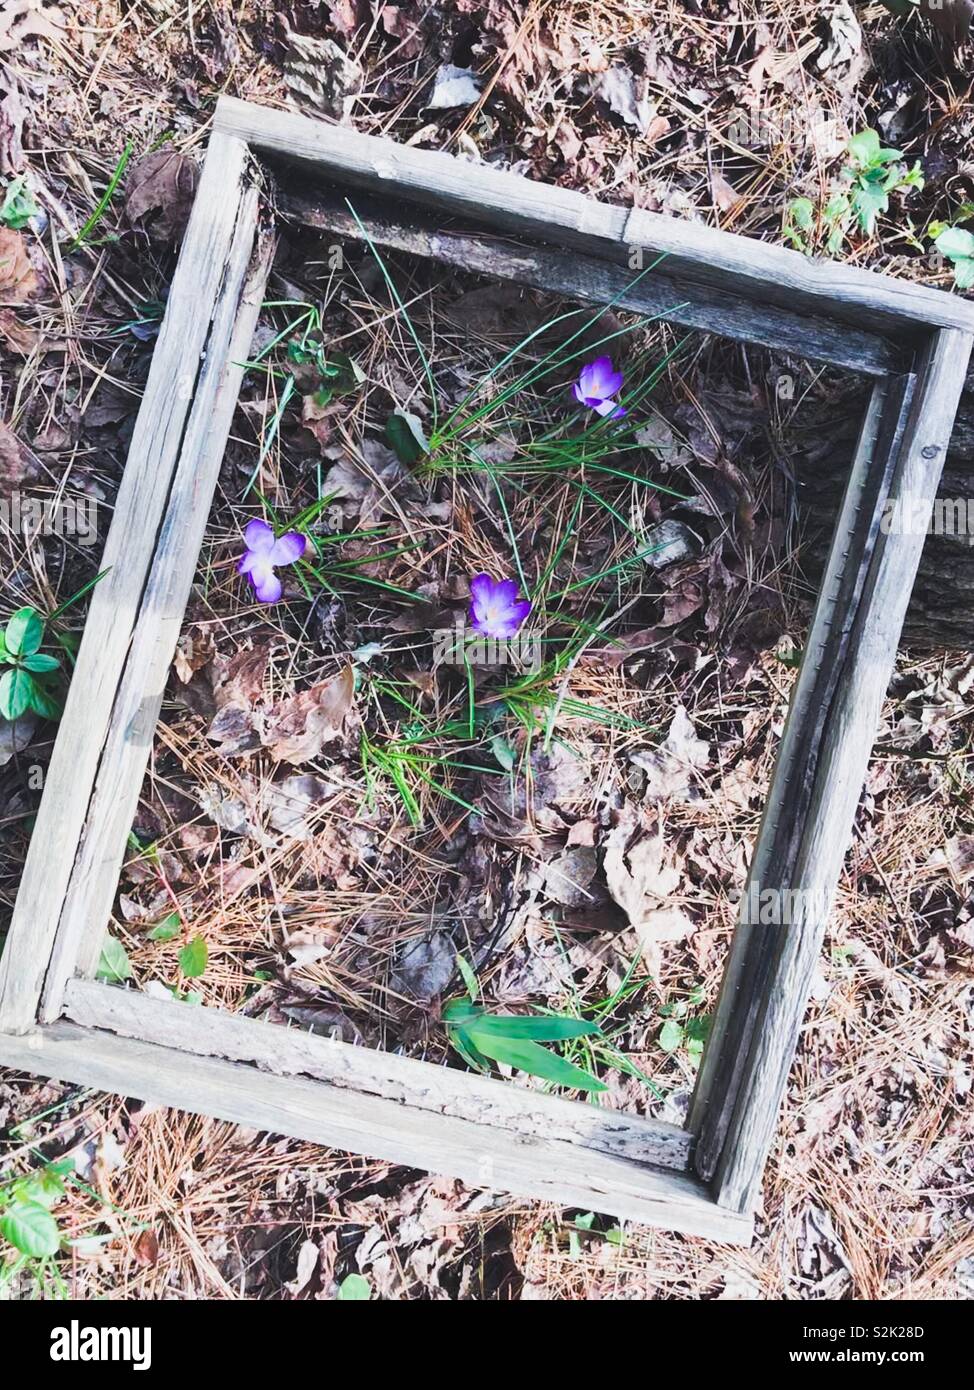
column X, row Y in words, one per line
column 505, row 622
column 588, row 378
column 260, row 570
column 481, row 590
column 269, row 588
column 516, row 615
column 609, row 384
column 579, row 395
column 247, row 562
column 258, row 535
column 599, row 372
column 611, row 408
column 288, row 548
column 505, row 593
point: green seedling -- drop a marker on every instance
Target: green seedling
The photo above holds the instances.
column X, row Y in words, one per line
column 957, row 245
column 683, row 1031
column 28, row 683
column 19, row 204
column 30, row 1238
column 870, row 175
column 513, row 1040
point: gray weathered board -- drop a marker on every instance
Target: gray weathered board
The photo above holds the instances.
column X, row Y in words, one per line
column 55, row 1019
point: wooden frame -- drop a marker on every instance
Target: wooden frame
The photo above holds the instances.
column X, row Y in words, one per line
column 914, row 345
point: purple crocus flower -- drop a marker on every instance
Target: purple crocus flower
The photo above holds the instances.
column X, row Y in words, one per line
column 596, row 386
column 496, row 610
column 263, row 553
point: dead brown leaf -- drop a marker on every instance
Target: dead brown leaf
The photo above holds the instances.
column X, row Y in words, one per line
column 237, row 686
column 641, row 876
column 28, row 19
column 670, row 768
column 298, row 728
column 17, row 463
column 194, row 650
column 17, row 335
column 18, row 278
column 159, row 193
column 13, row 112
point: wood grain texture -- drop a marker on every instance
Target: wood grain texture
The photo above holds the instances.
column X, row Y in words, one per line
column 820, row 770
column 128, row 742
column 595, row 281
column 285, row 1051
column 739, row 265
column 128, row 557
column 540, row 1167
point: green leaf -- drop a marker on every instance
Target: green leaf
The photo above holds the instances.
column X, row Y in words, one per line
column 39, row 662
column 546, row 1028
column 801, row 212
column 964, row 274
column 868, row 201
column 354, row 1287
column 671, row 1036
column 955, row 243
column 503, row 752
column 193, row 958
column 458, row 1012
column 16, row 693
column 45, row 702
column 113, row 963
column 864, row 147
column 45, row 1187
column 31, row 1229
column 25, row 632
column 19, row 204
column 166, row 929
column 538, row 1061
column 469, row 977
column 405, row 437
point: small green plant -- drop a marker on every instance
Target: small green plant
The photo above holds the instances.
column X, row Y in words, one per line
column 19, row 204
column 869, row 176
column 957, row 245
column 28, row 683
column 104, row 200
column 513, row 1039
column 799, row 224
column 683, row 1031
column 193, row 957
column 27, row 1225
column 114, row 966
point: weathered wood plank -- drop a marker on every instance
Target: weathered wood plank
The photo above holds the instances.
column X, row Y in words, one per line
column 495, row 197
column 481, row 1155
column 819, row 773
column 212, row 235
column 128, row 742
column 774, row 275
column 596, row 281
column 419, row 1085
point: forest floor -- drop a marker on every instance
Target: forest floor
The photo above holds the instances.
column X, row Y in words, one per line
column 579, row 836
